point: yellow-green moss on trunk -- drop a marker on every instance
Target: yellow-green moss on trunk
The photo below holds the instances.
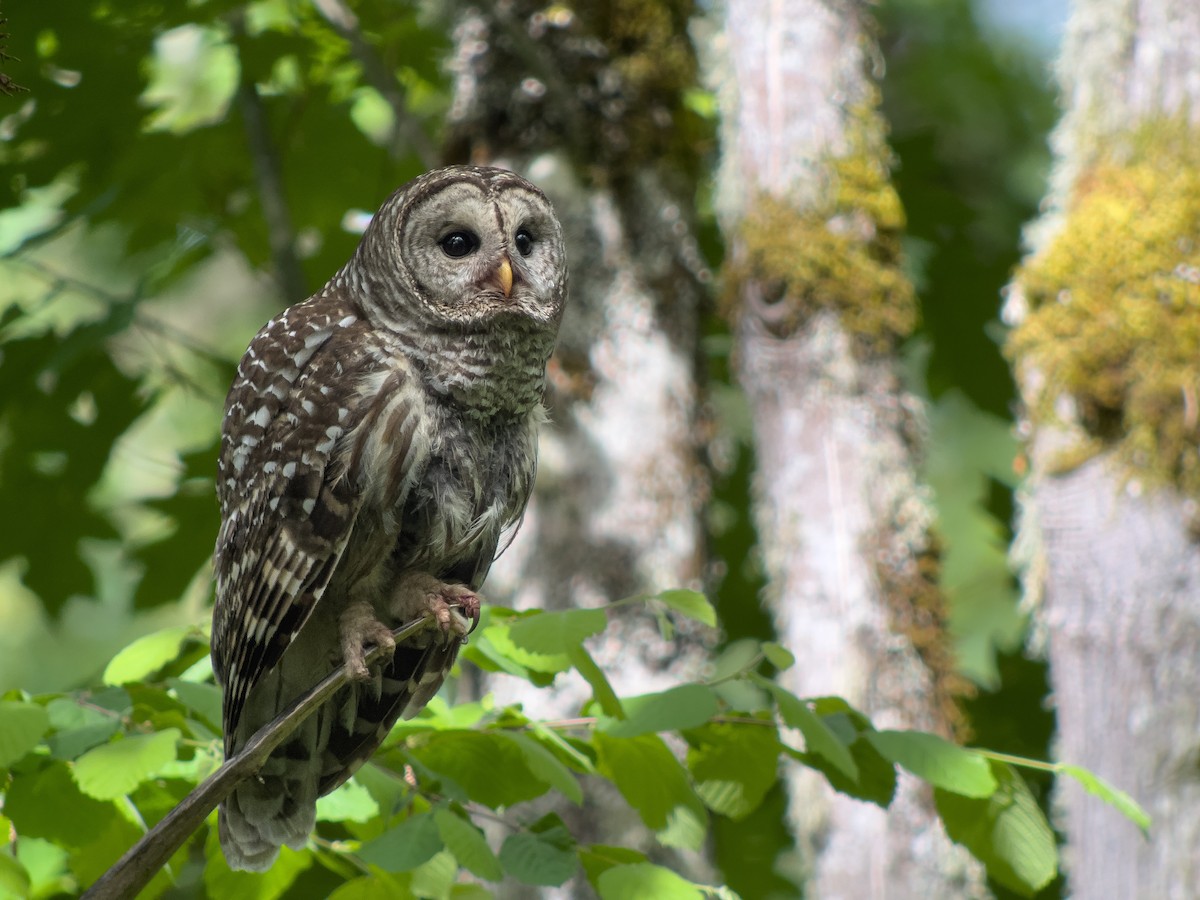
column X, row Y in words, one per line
column 843, row 255
column 1114, row 302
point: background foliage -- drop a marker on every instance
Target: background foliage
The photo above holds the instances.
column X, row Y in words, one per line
column 149, row 172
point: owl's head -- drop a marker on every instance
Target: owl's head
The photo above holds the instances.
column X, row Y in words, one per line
column 465, row 249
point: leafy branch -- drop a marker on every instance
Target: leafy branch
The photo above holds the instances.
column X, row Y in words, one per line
column 133, row 871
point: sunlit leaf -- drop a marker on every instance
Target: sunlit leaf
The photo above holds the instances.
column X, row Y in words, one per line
column 1118, row 799
column 652, row 782
column 556, row 632
column 937, row 761
column 1007, row 831
column 147, row 655
column 645, row 881
column 692, row 604
column 114, row 769
column 685, row 706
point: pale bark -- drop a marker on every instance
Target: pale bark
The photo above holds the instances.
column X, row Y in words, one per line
column 1113, row 567
column 836, row 491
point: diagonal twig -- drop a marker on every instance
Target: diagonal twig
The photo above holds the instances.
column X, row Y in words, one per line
column 141, row 862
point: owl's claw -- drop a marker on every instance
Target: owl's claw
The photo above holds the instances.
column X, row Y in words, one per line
column 360, row 632
column 452, row 606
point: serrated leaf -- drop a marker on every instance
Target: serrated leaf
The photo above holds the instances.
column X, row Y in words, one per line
column 405, row 846
column 472, row 759
column 684, row 706
column 145, row 656
column 936, row 761
column 692, row 604
column 468, row 845
column 645, row 881
column 1007, row 831
column 556, row 632
column 652, row 782
column 1118, row 799
column 602, row 691
column 544, row 855
column 546, row 766
column 819, row 739
column 733, row 765
column 21, row 728
column 349, row 803
column 78, row 728
column 497, row 643
column 114, row 769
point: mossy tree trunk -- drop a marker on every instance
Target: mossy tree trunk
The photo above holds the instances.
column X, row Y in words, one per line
column 1107, row 350
column 819, row 305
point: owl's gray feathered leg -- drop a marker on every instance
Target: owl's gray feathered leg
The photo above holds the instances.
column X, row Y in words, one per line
column 359, row 629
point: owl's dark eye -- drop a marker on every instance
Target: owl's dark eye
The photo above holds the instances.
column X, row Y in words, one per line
column 524, row 241
column 459, row 243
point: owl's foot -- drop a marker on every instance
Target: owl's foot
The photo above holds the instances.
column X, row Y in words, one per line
column 361, row 632
column 455, row 607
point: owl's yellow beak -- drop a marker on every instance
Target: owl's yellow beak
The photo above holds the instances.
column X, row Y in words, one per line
column 504, row 273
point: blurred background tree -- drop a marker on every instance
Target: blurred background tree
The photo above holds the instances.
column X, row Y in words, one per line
column 176, row 174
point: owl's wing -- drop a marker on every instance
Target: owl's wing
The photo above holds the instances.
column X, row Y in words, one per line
column 288, row 501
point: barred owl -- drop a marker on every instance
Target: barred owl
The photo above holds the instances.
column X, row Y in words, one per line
column 378, row 442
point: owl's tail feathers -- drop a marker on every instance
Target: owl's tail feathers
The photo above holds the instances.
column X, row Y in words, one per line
column 274, row 808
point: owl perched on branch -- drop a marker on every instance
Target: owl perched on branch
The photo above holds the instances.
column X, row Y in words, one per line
column 379, row 440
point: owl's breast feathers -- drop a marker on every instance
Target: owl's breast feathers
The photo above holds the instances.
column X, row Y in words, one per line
column 338, row 458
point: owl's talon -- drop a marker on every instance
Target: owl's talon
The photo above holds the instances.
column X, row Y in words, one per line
column 361, row 632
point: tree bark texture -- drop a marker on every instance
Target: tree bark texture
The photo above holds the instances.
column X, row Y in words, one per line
column 842, row 520
column 1110, row 551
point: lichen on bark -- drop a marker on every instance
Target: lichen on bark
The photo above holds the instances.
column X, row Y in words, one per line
column 1113, row 311
column 843, row 254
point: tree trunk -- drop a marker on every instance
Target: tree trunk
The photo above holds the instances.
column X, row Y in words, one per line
column 819, row 305
column 588, row 105
column 1107, row 362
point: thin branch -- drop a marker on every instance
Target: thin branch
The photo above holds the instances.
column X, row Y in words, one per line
column 137, row 867
column 407, row 132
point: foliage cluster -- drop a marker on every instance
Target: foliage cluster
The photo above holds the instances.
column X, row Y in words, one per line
column 1114, row 301
column 447, row 806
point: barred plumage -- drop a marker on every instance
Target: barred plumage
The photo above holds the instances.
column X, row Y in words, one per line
column 378, row 441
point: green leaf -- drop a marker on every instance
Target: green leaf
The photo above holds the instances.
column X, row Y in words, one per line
column 21, row 728
column 406, row 846
column 78, row 728
column 349, row 803
column 496, row 642
column 818, row 738
column 738, row 658
column 937, row 761
column 733, row 765
column 472, row 759
column 645, row 881
column 548, row 767
column 610, row 704
column 14, row 880
column 778, row 655
column 468, row 845
column 145, row 656
column 201, row 698
column 599, row 858
column 35, row 802
column 1007, row 831
column 114, row 769
column 435, row 878
column 544, row 855
column 1098, row 787
column 692, row 604
column 376, row 886
column 652, row 782
column 684, row 706
column 556, row 632
column 192, row 78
